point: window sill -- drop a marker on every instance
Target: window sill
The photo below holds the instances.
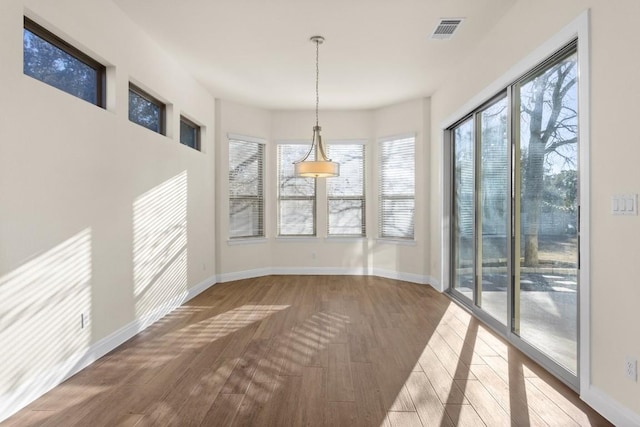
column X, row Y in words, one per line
column 247, row 241
column 392, row 241
column 346, row 239
column 297, row 239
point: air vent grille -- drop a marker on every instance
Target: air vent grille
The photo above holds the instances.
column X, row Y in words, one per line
column 446, row 28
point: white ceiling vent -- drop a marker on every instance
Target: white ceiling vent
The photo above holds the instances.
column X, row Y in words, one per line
column 446, row 28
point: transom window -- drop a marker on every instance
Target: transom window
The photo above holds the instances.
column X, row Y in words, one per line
column 146, row 110
column 48, row 58
column 189, row 133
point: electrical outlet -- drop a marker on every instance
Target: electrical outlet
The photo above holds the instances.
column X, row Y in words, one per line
column 313, row 255
column 631, row 368
column 84, row 320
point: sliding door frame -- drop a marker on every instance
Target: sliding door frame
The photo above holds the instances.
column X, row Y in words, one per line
column 576, row 30
column 450, row 150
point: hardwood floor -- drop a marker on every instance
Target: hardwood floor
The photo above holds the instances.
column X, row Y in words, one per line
column 313, row 351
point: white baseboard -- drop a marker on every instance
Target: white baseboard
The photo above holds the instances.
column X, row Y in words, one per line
column 38, row 385
column 434, row 283
column 407, row 277
column 337, row 271
column 609, row 408
column 167, row 307
column 34, row 387
column 196, row 290
column 302, row 271
column 246, row 274
column 321, row 271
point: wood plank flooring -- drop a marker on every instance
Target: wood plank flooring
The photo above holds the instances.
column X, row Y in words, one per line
column 313, row 351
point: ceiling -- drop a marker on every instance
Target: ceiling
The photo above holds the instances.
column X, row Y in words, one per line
column 257, row 52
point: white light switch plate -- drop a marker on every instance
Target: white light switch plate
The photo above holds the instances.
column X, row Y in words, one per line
column 624, row 204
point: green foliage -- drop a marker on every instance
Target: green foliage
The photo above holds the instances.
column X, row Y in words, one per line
column 561, row 190
column 51, row 65
column 144, row 112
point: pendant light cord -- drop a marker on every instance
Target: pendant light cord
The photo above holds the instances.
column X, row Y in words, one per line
column 317, row 78
column 320, row 166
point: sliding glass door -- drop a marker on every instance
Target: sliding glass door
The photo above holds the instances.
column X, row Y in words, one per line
column 481, row 209
column 514, row 199
column 546, row 268
column 492, row 205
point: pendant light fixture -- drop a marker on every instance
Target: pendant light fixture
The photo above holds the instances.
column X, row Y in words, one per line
column 321, row 167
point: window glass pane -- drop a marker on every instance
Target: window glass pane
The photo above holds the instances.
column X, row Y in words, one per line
column 296, row 217
column 399, row 219
column 288, row 183
column 50, row 64
column 351, row 179
column 397, row 188
column 246, row 202
column 189, row 134
column 245, row 168
column 346, row 217
column 144, row 112
column 296, row 196
column 463, row 208
column 346, row 204
column 245, row 218
column 493, row 210
column 547, row 265
column 398, row 167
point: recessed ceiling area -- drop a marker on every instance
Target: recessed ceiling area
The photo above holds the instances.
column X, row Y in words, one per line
column 256, row 52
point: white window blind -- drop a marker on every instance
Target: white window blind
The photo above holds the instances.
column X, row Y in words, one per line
column 345, row 194
column 246, row 188
column 296, row 196
column 397, row 188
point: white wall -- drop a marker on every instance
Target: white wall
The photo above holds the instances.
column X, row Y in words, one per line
column 615, row 319
column 98, row 215
column 256, row 123
column 412, row 117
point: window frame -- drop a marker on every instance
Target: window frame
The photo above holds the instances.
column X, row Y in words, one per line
column 382, row 197
column 153, row 100
column 362, row 198
column 260, row 197
column 68, row 48
column 279, row 197
column 195, row 127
